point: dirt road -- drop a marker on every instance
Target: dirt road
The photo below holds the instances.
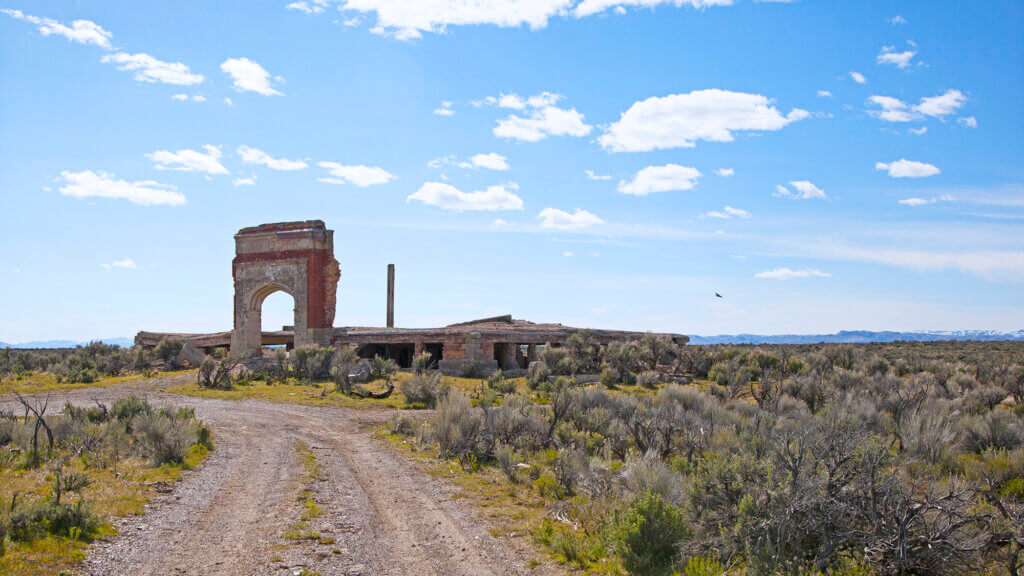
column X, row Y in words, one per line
column 382, row 515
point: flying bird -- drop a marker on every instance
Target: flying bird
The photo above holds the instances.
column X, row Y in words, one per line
column 717, row 295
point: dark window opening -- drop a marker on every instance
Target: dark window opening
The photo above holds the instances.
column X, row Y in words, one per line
column 402, row 354
column 522, row 352
column 505, row 354
column 436, row 351
column 368, row 351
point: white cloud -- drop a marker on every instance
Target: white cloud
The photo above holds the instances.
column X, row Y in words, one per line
column 314, row 7
column 507, row 101
column 807, row 190
column 249, row 76
column 541, row 123
column 89, row 184
column 190, row 160
column 514, row 101
column 858, row 77
column 250, row 181
column 228, row 102
column 969, row 121
column 149, row 69
column 543, row 99
column 568, row 254
column 498, row 222
column 728, row 213
column 918, row 131
column 924, row 201
column 361, row 176
column 900, row 59
column 589, row 7
column 553, row 218
column 198, row 98
column 491, row 161
column 787, row 274
column 517, row 102
column 660, row 179
column 895, row 110
column 942, row 105
column 445, row 109
column 81, row 31
column 591, row 175
column 994, row 265
column 256, row 156
column 804, row 190
column 408, row 19
column 824, row 94
column 725, row 172
column 126, row 263
column 439, row 162
column 904, row 168
column 544, row 117
column 448, row 197
column 680, row 120
column 897, row 19
column 180, row 97
column 916, row 201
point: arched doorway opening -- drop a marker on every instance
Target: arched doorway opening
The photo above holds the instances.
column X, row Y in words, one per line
column 277, row 314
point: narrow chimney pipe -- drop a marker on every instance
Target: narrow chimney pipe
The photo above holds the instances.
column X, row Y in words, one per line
column 391, row 296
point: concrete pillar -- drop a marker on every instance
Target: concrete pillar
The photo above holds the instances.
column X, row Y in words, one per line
column 418, row 348
column 531, row 353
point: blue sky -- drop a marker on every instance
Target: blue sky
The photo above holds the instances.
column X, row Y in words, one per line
column 823, row 166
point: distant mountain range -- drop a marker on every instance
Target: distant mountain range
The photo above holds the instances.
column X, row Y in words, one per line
column 860, row 336
column 123, row 342
column 844, row 336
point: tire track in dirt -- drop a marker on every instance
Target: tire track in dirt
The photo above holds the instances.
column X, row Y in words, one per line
column 382, row 514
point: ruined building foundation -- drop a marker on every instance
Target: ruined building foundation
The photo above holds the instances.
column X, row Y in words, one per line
column 298, row 258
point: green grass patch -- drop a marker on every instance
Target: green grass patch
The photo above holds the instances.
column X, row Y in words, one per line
column 41, row 382
column 294, row 391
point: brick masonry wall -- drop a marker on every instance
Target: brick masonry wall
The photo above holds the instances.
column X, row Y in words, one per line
column 321, row 280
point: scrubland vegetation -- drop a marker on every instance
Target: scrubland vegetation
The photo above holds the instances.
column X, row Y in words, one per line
column 894, row 459
column 64, row 476
column 646, row 458
column 323, row 376
column 96, row 363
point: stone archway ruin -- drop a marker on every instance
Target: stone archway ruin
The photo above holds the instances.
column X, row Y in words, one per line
column 298, row 258
column 294, row 257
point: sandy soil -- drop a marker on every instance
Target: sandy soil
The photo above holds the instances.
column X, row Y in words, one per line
column 384, row 514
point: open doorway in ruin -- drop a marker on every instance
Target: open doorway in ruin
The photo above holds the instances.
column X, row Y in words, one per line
column 402, row 354
column 505, row 354
column 277, row 314
column 436, row 351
